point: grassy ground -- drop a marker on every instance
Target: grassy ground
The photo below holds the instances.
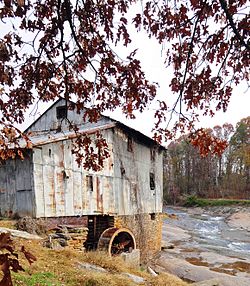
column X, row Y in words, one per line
column 199, row 202
column 7, row 223
column 60, row 268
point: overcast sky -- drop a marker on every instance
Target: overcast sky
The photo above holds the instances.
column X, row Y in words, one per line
column 149, row 52
column 151, row 55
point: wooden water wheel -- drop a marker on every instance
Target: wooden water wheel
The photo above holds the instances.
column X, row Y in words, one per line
column 116, row 240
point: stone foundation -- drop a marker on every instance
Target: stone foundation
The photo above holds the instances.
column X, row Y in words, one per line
column 71, row 236
column 132, row 258
column 147, row 229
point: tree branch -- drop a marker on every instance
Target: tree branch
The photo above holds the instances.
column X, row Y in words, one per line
column 60, row 21
column 225, row 59
column 232, row 24
column 69, row 18
column 188, row 57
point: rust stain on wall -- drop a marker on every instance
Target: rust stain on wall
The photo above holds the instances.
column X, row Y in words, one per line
column 99, row 196
column 61, row 162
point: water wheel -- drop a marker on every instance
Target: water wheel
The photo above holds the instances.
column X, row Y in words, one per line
column 116, row 240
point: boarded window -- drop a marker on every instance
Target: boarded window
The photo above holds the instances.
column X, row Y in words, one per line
column 25, row 203
column 152, row 181
column 61, row 112
column 89, row 180
column 130, row 144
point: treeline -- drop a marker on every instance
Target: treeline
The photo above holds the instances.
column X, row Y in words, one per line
column 228, row 176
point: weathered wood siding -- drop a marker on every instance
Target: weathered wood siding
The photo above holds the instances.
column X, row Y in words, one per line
column 51, row 184
column 49, row 122
column 61, row 185
column 132, row 176
column 16, row 188
column 121, row 188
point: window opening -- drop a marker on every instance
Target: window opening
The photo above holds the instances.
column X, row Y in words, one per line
column 130, row 144
column 122, row 171
column 61, row 112
column 152, row 216
column 89, row 179
column 65, row 175
column 152, row 154
column 152, row 181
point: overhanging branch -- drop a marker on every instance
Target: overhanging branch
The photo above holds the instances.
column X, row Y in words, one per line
column 232, row 24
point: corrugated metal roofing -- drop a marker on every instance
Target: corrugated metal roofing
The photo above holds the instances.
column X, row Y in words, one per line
column 57, row 136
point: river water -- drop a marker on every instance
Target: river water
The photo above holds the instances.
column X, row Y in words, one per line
column 210, row 232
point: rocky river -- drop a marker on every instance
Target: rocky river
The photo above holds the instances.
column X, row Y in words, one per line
column 209, row 246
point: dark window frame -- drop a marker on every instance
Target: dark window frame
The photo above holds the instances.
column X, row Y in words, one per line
column 153, row 216
column 61, row 112
column 130, row 144
column 90, row 185
column 152, row 181
column 152, row 154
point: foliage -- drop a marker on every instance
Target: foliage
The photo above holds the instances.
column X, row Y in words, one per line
column 193, row 201
column 9, row 259
column 240, row 147
column 70, row 49
column 226, row 176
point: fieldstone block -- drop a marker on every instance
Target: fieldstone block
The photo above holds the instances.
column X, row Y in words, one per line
column 132, row 258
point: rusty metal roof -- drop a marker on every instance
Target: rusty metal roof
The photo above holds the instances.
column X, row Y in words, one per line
column 53, row 136
column 49, row 137
column 38, row 140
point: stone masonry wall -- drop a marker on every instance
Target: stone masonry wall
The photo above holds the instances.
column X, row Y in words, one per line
column 147, row 229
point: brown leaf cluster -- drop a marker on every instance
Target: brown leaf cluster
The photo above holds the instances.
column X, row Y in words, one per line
column 73, row 53
column 9, row 259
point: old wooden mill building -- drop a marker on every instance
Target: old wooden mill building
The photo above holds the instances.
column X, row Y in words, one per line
column 123, row 200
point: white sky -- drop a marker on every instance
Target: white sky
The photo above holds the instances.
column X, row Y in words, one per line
column 150, row 54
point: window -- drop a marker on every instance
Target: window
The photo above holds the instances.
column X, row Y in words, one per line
column 152, row 181
column 152, row 154
column 65, row 175
column 122, row 171
column 89, row 181
column 61, row 112
column 152, row 216
column 130, row 144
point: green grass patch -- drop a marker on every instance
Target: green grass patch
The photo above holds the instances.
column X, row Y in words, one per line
column 41, row 279
column 193, row 201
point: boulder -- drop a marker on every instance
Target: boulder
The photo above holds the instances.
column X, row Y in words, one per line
column 91, row 267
